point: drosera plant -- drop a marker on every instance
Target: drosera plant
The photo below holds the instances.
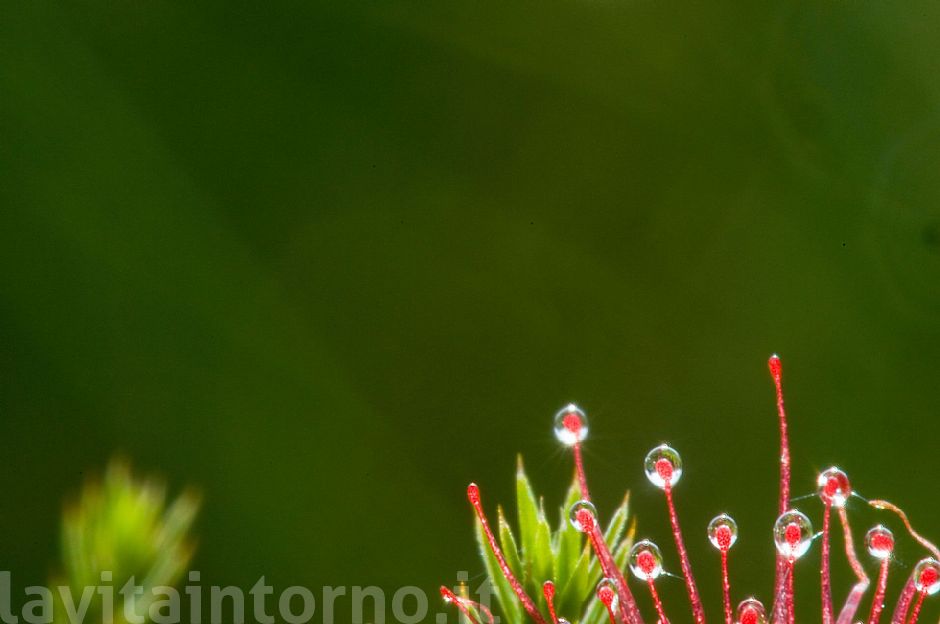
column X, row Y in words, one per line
column 577, row 571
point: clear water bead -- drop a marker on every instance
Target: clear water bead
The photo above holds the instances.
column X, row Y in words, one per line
column 793, row 534
column 646, row 560
column 723, row 532
column 880, row 542
column 607, row 592
column 751, row 611
column 663, row 464
column 582, row 515
column 927, row 576
column 571, row 425
column 834, row 487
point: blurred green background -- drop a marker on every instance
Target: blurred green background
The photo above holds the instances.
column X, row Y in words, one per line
column 331, row 262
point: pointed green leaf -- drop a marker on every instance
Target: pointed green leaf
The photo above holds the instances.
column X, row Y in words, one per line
column 614, row 531
column 512, row 610
column 508, row 544
column 528, row 515
column 571, row 596
column 542, row 560
column 569, row 542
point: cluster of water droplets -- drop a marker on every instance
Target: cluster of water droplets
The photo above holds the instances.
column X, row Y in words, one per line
column 792, row 532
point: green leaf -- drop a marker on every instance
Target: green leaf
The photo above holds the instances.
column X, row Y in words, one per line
column 512, row 610
column 528, row 514
column 508, row 544
column 570, row 597
column 613, row 533
column 541, row 559
column 569, row 542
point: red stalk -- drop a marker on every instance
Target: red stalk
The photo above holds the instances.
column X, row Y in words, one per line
column 878, row 603
column 664, row 468
column 473, row 494
column 780, row 583
column 854, row 599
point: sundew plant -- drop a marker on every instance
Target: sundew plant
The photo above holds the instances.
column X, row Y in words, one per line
column 578, row 573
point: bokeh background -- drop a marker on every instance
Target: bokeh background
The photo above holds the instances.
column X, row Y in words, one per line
column 330, row 262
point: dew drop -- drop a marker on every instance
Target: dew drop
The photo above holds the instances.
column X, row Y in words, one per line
column 562, row 620
column 571, row 425
column 723, row 532
column 834, row 487
column 583, row 516
column 880, row 542
column 927, row 576
column 646, row 561
column 751, row 611
column 607, row 592
column 793, row 534
column 663, row 465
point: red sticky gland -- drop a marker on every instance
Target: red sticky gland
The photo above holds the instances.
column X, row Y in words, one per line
column 780, row 584
column 606, row 595
column 548, row 590
column 750, row 615
column 572, row 423
column 473, row 495
column 665, row 470
column 826, row 590
column 854, row 599
column 626, row 604
column 878, row 602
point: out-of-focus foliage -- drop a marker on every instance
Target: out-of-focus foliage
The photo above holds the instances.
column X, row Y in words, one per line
column 124, row 526
column 562, row 556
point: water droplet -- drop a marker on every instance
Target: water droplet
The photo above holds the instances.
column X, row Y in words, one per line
column 583, row 516
column 663, row 465
column 571, row 425
column 793, row 534
column 562, row 620
column 751, row 611
column 607, row 592
column 723, row 532
column 834, row 487
column 880, row 542
column 646, row 561
column 927, row 576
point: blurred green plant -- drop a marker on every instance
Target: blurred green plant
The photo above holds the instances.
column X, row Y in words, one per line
column 562, row 555
column 123, row 525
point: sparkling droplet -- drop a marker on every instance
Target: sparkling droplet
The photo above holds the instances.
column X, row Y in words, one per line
column 562, row 620
column 793, row 534
column 834, row 487
column 751, row 611
column 646, row 561
column 571, row 425
column 880, row 541
column 723, row 532
column 607, row 592
column 583, row 516
column 927, row 576
column 663, row 465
